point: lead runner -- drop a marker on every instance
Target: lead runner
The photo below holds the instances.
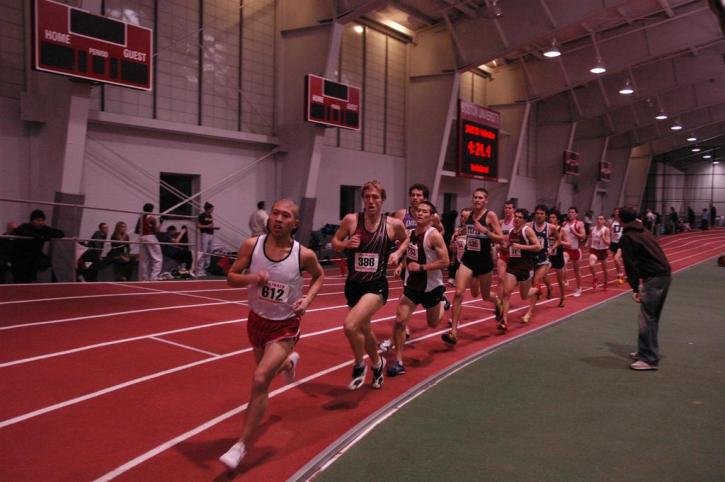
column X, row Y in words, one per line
column 274, row 263
column 367, row 238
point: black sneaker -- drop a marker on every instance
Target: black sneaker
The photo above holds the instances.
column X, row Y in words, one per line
column 449, row 338
column 358, row 376
column 396, row 369
column 499, row 309
column 378, row 374
column 446, row 303
column 503, row 326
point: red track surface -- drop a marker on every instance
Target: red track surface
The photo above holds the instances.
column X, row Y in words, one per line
column 90, row 385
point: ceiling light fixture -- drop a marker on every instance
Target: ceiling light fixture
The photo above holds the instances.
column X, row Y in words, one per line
column 626, row 88
column 677, row 126
column 358, row 28
column 661, row 115
column 716, row 162
column 552, row 51
column 696, row 149
column 599, row 67
column 707, row 156
column 692, row 138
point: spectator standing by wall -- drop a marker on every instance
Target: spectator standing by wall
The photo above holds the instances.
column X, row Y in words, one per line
column 93, row 255
column 673, row 218
column 704, row 219
column 149, row 251
column 258, row 220
column 691, row 218
column 205, row 223
column 713, row 216
column 27, row 254
column 6, row 250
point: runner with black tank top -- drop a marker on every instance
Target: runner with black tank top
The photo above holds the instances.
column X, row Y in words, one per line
column 507, row 224
column 523, row 246
column 425, row 257
column 271, row 266
column 367, row 238
column 615, row 228
column 557, row 243
column 481, row 229
column 543, row 230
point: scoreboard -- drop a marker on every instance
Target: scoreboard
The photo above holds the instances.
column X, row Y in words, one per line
column 72, row 42
column 571, row 163
column 478, row 132
column 331, row 103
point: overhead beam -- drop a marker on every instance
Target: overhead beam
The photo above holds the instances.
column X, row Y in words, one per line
column 413, row 12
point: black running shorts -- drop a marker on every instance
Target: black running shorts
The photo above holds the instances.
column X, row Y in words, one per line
column 428, row 298
column 355, row 291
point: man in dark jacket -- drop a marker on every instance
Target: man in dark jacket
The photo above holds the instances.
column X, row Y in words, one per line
column 27, row 253
column 645, row 261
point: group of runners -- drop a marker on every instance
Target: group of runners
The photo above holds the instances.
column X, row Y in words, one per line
column 411, row 243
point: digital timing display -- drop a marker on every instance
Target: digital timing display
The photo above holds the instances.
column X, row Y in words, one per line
column 477, row 141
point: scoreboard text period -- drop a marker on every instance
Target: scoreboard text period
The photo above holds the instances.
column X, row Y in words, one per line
column 72, row 42
column 477, row 141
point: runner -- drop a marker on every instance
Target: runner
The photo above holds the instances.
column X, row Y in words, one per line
column 425, row 257
column 523, row 245
column 507, row 225
column 274, row 263
column 615, row 228
column 367, row 238
column 557, row 244
column 599, row 249
column 575, row 233
column 458, row 247
column 543, row 231
column 482, row 228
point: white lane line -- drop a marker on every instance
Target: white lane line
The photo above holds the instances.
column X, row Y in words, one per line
column 160, row 291
column 106, row 315
column 117, row 342
column 187, row 347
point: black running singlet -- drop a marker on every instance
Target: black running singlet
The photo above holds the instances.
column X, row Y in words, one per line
column 369, row 261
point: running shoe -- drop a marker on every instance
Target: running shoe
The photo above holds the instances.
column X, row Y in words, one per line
column 526, row 318
column 594, row 283
column 358, row 376
column 503, row 326
column 396, row 369
column 233, row 456
column 577, row 292
column 289, row 374
column 386, row 345
column 378, row 374
column 446, row 303
column 449, row 338
column 634, row 355
column 620, row 279
column 499, row 308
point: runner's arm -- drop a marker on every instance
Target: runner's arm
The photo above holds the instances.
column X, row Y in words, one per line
column 400, row 235
column 495, row 232
column 312, row 266
column 236, row 276
column 340, row 241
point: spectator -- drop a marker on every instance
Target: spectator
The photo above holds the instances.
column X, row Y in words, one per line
column 93, row 255
column 691, row 217
column 673, row 217
column 27, row 254
column 180, row 254
column 6, row 249
column 258, row 220
column 120, row 253
column 704, row 219
column 149, row 252
column 205, row 223
column 713, row 216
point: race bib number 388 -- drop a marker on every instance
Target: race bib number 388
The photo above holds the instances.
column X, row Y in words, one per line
column 366, row 262
column 274, row 292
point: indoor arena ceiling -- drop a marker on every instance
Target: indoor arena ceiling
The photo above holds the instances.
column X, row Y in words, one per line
column 671, row 52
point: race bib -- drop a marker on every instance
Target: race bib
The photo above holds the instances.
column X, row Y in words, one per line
column 412, row 253
column 366, row 262
column 274, row 292
column 473, row 244
column 514, row 252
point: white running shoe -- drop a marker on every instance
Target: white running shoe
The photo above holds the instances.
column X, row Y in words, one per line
column 358, row 376
column 289, row 374
column 578, row 292
column 233, row 456
column 385, row 345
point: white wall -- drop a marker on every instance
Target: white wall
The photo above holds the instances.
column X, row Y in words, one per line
column 156, row 152
column 349, row 167
column 14, row 163
column 706, row 180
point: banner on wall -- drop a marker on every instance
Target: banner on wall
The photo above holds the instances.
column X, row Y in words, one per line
column 478, row 131
column 571, row 163
column 605, row 171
